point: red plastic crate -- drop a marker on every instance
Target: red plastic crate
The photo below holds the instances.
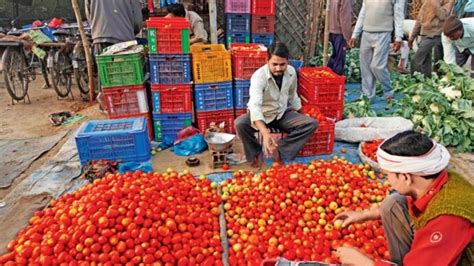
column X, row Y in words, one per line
column 323, row 89
column 168, row 35
column 126, row 100
column 332, row 110
column 171, row 98
column 204, row 119
column 322, row 142
column 149, row 123
column 239, row 112
column 237, row 6
column 263, row 7
column 246, row 62
column 263, row 24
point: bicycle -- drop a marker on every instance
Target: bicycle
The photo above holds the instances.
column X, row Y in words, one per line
column 60, row 63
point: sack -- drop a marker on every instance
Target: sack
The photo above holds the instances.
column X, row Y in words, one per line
column 370, row 128
column 192, row 145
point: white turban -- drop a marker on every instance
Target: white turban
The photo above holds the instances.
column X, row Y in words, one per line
column 433, row 162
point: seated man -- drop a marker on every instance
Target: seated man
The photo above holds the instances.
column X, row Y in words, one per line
column 197, row 34
column 271, row 88
column 431, row 221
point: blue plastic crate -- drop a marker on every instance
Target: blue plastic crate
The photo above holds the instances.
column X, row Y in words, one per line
column 119, row 140
column 170, row 68
column 265, row 39
column 237, row 23
column 213, row 96
column 165, row 3
column 167, row 125
column 240, row 37
column 297, row 64
column 241, row 93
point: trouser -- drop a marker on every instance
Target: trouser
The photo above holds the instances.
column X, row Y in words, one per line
column 462, row 57
column 422, row 59
column 337, row 60
column 374, row 50
column 300, row 129
column 398, row 226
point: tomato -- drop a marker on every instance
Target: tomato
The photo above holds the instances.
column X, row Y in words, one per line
column 225, row 167
column 369, row 148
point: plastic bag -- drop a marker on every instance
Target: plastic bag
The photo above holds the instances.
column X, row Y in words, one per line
column 134, row 166
column 192, row 145
column 186, row 133
column 370, row 128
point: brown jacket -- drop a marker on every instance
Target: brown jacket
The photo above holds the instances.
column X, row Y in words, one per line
column 431, row 18
column 340, row 18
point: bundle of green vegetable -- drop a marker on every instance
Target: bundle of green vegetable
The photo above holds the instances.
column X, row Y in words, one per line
column 440, row 107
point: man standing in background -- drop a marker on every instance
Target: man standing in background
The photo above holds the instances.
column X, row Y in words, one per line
column 377, row 19
column 340, row 26
column 197, row 34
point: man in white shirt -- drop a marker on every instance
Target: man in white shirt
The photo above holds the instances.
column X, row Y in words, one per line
column 458, row 34
column 272, row 87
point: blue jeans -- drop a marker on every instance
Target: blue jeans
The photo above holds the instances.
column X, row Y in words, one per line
column 337, row 60
column 374, row 50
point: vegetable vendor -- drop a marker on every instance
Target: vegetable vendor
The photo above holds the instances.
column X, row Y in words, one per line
column 458, row 36
column 272, row 87
column 197, row 32
column 431, row 221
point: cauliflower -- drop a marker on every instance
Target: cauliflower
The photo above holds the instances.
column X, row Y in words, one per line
column 434, row 108
column 417, row 118
column 450, row 92
column 416, row 98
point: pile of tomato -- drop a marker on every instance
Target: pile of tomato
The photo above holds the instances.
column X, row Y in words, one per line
column 369, row 148
column 314, row 112
column 311, row 72
column 170, row 218
column 288, row 211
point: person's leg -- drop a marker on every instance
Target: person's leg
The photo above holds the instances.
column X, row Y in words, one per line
column 397, row 225
column 366, row 53
column 300, row 129
column 438, row 52
column 246, row 133
column 461, row 56
column 472, row 65
column 379, row 61
column 338, row 56
column 421, row 61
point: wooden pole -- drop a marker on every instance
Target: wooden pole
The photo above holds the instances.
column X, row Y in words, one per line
column 314, row 28
column 87, row 50
column 213, row 20
column 326, row 33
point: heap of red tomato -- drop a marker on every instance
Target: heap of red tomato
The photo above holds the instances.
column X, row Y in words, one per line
column 317, row 73
column 288, row 211
column 369, row 148
column 314, row 112
column 137, row 218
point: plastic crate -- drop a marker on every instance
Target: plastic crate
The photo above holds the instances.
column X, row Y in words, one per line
column 120, row 70
column 263, row 7
column 211, row 63
column 118, row 140
column 241, row 93
column 236, row 38
column 165, row 3
column 236, row 23
column 168, row 125
column 127, row 100
column 205, row 119
column 146, row 115
column 297, row 64
column 246, row 59
column 213, row 96
column 170, row 69
column 322, row 142
column 239, row 112
column 168, row 35
column 265, row 39
column 263, row 24
column 237, row 6
column 321, row 89
column 333, row 110
column 175, row 98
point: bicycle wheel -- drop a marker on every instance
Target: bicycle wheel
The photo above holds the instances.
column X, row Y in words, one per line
column 61, row 74
column 82, row 79
column 14, row 69
column 44, row 72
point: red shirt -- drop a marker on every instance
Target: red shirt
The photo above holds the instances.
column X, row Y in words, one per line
column 442, row 240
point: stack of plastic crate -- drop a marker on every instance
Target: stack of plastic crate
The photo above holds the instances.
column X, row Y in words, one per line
column 170, row 74
column 246, row 59
column 237, row 20
column 121, row 77
column 213, row 94
column 321, row 87
column 263, row 21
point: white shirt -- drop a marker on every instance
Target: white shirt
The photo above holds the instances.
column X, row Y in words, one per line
column 466, row 42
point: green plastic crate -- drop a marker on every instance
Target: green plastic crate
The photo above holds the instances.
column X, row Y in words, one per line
column 120, row 70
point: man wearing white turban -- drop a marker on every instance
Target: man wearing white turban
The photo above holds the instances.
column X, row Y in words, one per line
column 430, row 220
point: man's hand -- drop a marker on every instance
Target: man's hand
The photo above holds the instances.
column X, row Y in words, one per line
column 396, row 46
column 349, row 217
column 410, row 43
column 269, row 144
column 351, row 256
column 352, row 42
